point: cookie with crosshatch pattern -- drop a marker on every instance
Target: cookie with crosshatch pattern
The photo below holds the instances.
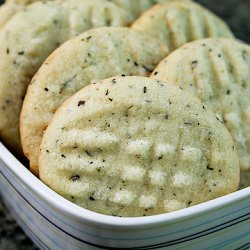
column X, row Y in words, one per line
column 137, row 7
column 134, row 146
column 94, row 55
column 218, row 72
column 178, row 22
column 11, row 7
column 28, row 39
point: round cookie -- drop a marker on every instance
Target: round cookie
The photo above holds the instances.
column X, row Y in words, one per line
column 92, row 56
column 30, row 36
column 134, row 7
column 133, row 146
column 177, row 23
column 218, row 72
column 139, row 6
column 7, row 10
column 11, row 7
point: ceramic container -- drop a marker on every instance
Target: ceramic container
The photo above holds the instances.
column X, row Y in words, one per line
column 55, row 223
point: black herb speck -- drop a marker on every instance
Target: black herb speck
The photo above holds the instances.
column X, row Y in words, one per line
column 189, row 203
column 63, row 156
column 7, row 50
column 66, row 83
column 145, row 90
column 136, row 64
column 228, row 92
column 156, row 72
column 20, row 53
column 75, row 177
column 114, row 81
column 219, row 55
column 107, row 92
column 91, row 198
column 80, row 103
column 209, row 168
column 244, row 84
column 88, row 38
column 166, row 116
column 188, row 123
column 110, row 99
column 194, row 64
column 160, row 157
column 88, row 153
column 123, row 75
column 46, row 89
column 146, row 68
column 231, row 68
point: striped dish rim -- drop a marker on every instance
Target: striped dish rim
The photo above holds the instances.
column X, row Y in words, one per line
column 82, row 215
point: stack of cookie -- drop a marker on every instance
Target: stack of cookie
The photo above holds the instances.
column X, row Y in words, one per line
column 102, row 124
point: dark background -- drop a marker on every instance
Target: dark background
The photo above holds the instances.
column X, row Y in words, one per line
column 237, row 15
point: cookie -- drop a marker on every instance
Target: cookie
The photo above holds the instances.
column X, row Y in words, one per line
column 92, row 56
column 177, row 23
column 218, row 72
column 10, row 8
column 134, row 7
column 134, row 146
column 7, row 10
column 30, row 36
column 139, row 6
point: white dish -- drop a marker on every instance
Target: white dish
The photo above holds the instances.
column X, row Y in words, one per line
column 55, row 223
